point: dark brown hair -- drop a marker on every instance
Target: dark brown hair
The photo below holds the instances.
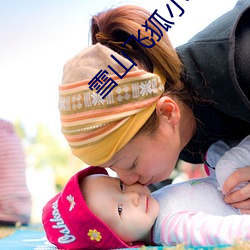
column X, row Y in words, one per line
column 114, row 26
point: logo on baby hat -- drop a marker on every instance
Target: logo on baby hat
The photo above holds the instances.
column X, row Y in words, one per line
column 67, row 237
column 94, row 235
column 71, row 201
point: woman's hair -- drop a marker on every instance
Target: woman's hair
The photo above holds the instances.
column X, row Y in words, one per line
column 113, row 27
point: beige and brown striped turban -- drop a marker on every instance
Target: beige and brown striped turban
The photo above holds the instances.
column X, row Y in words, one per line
column 97, row 128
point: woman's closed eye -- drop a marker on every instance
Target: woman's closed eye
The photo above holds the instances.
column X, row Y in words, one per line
column 120, row 206
column 121, row 186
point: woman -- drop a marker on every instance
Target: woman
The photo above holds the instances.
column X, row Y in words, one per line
column 206, row 97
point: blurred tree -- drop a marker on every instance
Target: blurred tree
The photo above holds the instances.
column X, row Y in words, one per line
column 45, row 150
column 20, row 130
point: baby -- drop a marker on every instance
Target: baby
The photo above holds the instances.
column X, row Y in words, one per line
column 96, row 211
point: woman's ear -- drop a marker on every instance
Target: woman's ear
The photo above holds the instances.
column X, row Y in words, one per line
column 168, row 110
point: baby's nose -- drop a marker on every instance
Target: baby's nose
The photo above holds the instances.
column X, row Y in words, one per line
column 133, row 197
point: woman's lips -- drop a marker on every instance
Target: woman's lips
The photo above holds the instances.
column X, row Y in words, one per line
column 148, row 183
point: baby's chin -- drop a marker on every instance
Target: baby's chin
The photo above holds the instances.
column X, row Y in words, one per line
column 153, row 209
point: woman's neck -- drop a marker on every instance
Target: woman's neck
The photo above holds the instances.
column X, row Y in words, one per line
column 187, row 125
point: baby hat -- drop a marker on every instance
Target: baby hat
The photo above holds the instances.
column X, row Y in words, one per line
column 69, row 223
column 95, row 127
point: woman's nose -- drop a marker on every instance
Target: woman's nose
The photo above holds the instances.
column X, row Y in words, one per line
column 126, row 177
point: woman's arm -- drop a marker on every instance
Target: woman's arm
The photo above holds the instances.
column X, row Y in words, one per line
column 233, row 175
column 237, row 157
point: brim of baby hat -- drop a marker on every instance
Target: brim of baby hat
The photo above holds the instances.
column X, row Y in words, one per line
column 69, row 224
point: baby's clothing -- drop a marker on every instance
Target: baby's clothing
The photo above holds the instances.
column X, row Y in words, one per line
column 194, row 212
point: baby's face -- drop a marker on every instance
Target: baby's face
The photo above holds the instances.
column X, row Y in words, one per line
column 130, row 211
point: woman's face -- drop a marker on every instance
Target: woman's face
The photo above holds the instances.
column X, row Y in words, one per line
column 148, row 159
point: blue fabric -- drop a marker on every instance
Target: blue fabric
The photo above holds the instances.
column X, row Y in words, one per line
column 26, row 239
column 186, row 248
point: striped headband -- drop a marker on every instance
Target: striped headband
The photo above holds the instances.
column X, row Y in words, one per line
column 97, row 128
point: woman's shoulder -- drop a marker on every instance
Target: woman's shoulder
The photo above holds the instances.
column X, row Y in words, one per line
column 209, row 65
